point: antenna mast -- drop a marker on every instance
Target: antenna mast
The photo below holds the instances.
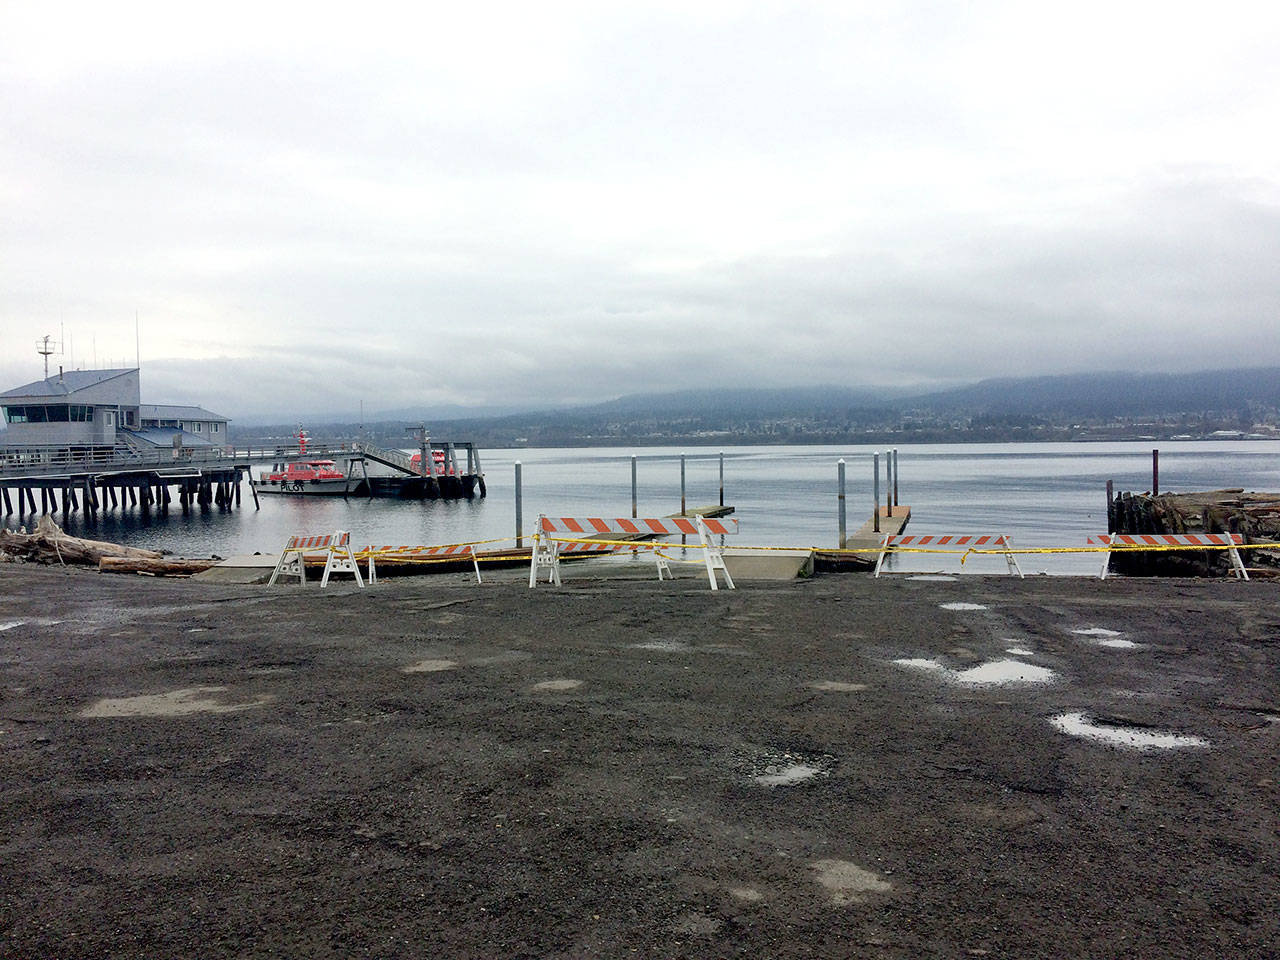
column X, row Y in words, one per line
column 46, row 350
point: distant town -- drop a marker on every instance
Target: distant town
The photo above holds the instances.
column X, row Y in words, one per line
column 1216, row 405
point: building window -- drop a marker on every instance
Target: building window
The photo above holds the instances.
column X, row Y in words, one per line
column 213, row 428
column 199, row 427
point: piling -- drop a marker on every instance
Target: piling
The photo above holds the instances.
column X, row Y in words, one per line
column 634, row 500
column 840, row 500
column 519, row 510
column 895, row 476
column 888, row 483
column 1155, row 473
column 875, row 500
column 683, row 539
column 722, row 478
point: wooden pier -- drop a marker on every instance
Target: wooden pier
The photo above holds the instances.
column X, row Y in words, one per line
column 51, row 480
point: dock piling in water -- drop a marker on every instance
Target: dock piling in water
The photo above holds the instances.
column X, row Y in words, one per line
column 875, row 499
column 840, row 500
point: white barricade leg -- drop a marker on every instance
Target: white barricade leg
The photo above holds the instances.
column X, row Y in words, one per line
column 340, row 560
column 373, row 570
column 661, row 563
column 715, row 559
column 291, row 564
column 1010, row 560
column 1237, row 565
column 475, row 562
column 546, row 553
column 1106, row 557
column 884, row 551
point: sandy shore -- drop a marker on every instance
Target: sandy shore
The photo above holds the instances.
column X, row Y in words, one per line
column 823, row 768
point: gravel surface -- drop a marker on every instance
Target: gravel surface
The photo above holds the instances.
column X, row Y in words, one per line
column 825, row 768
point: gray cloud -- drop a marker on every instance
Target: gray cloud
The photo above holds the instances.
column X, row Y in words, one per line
column 574, row 204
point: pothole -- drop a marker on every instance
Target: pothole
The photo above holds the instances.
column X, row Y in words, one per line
column 961, row 606
column 175, row 703
column 847, row 882
column 556, row 686
column 697, row 925
column 837, row 686
column 788, row 769
column 429, row 666
column 992, row 673
column 1078, row 724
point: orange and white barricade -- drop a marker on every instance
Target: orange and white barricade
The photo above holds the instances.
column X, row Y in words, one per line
column 1171, row 541
column 948, row 543
column 420, row 554
column 554, row 536
column 338, row 558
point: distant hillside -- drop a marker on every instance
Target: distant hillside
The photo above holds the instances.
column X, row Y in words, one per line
column 1080, row 406
column 1112, row 394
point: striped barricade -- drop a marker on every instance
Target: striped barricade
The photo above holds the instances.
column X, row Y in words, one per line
column 554, row 536
column 419, row 554
column 948, row 543
column 1172, row 541
column 337, row 552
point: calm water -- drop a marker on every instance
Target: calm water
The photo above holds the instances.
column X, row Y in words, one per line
column 1040, row 494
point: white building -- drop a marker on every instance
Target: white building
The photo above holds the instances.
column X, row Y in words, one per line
column 98, row 408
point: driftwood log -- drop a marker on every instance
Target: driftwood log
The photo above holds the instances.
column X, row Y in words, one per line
column 164, row 567
column 47, row 543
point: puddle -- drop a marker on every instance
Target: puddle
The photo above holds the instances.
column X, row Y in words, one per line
column 670, row 646
column 1079, row 725
column 933, row 577
column 35, row 622
column 787, row 775
column 175, row 703
column 1020, row 652
column 837, row 686
column 556, row 685
column 992, row 673
column 430, row 666
column 1113, row 639
column 847, row 882
column 962, row 606
column 788, row 769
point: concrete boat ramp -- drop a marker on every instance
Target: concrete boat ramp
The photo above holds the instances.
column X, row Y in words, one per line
column 744, row 563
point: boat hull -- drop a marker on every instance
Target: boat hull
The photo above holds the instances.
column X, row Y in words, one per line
column 309, row 488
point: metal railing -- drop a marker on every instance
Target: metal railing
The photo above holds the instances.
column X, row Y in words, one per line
column 129, row 454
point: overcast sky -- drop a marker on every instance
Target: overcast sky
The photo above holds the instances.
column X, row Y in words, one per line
column 306, row 206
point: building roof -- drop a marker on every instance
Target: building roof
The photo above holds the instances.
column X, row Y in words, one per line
column 68, row 383
column 171, row 411
column 163, row 437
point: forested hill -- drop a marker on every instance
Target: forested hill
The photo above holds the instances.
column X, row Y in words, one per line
column 1079, row 406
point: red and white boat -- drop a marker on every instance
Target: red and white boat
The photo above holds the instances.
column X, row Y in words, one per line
column 305, row 477
column 437, row 458
column 313, row 477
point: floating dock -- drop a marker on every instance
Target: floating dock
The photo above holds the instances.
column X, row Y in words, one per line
column 863, row 547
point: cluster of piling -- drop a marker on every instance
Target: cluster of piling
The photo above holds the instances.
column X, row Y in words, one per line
column 90, row 494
